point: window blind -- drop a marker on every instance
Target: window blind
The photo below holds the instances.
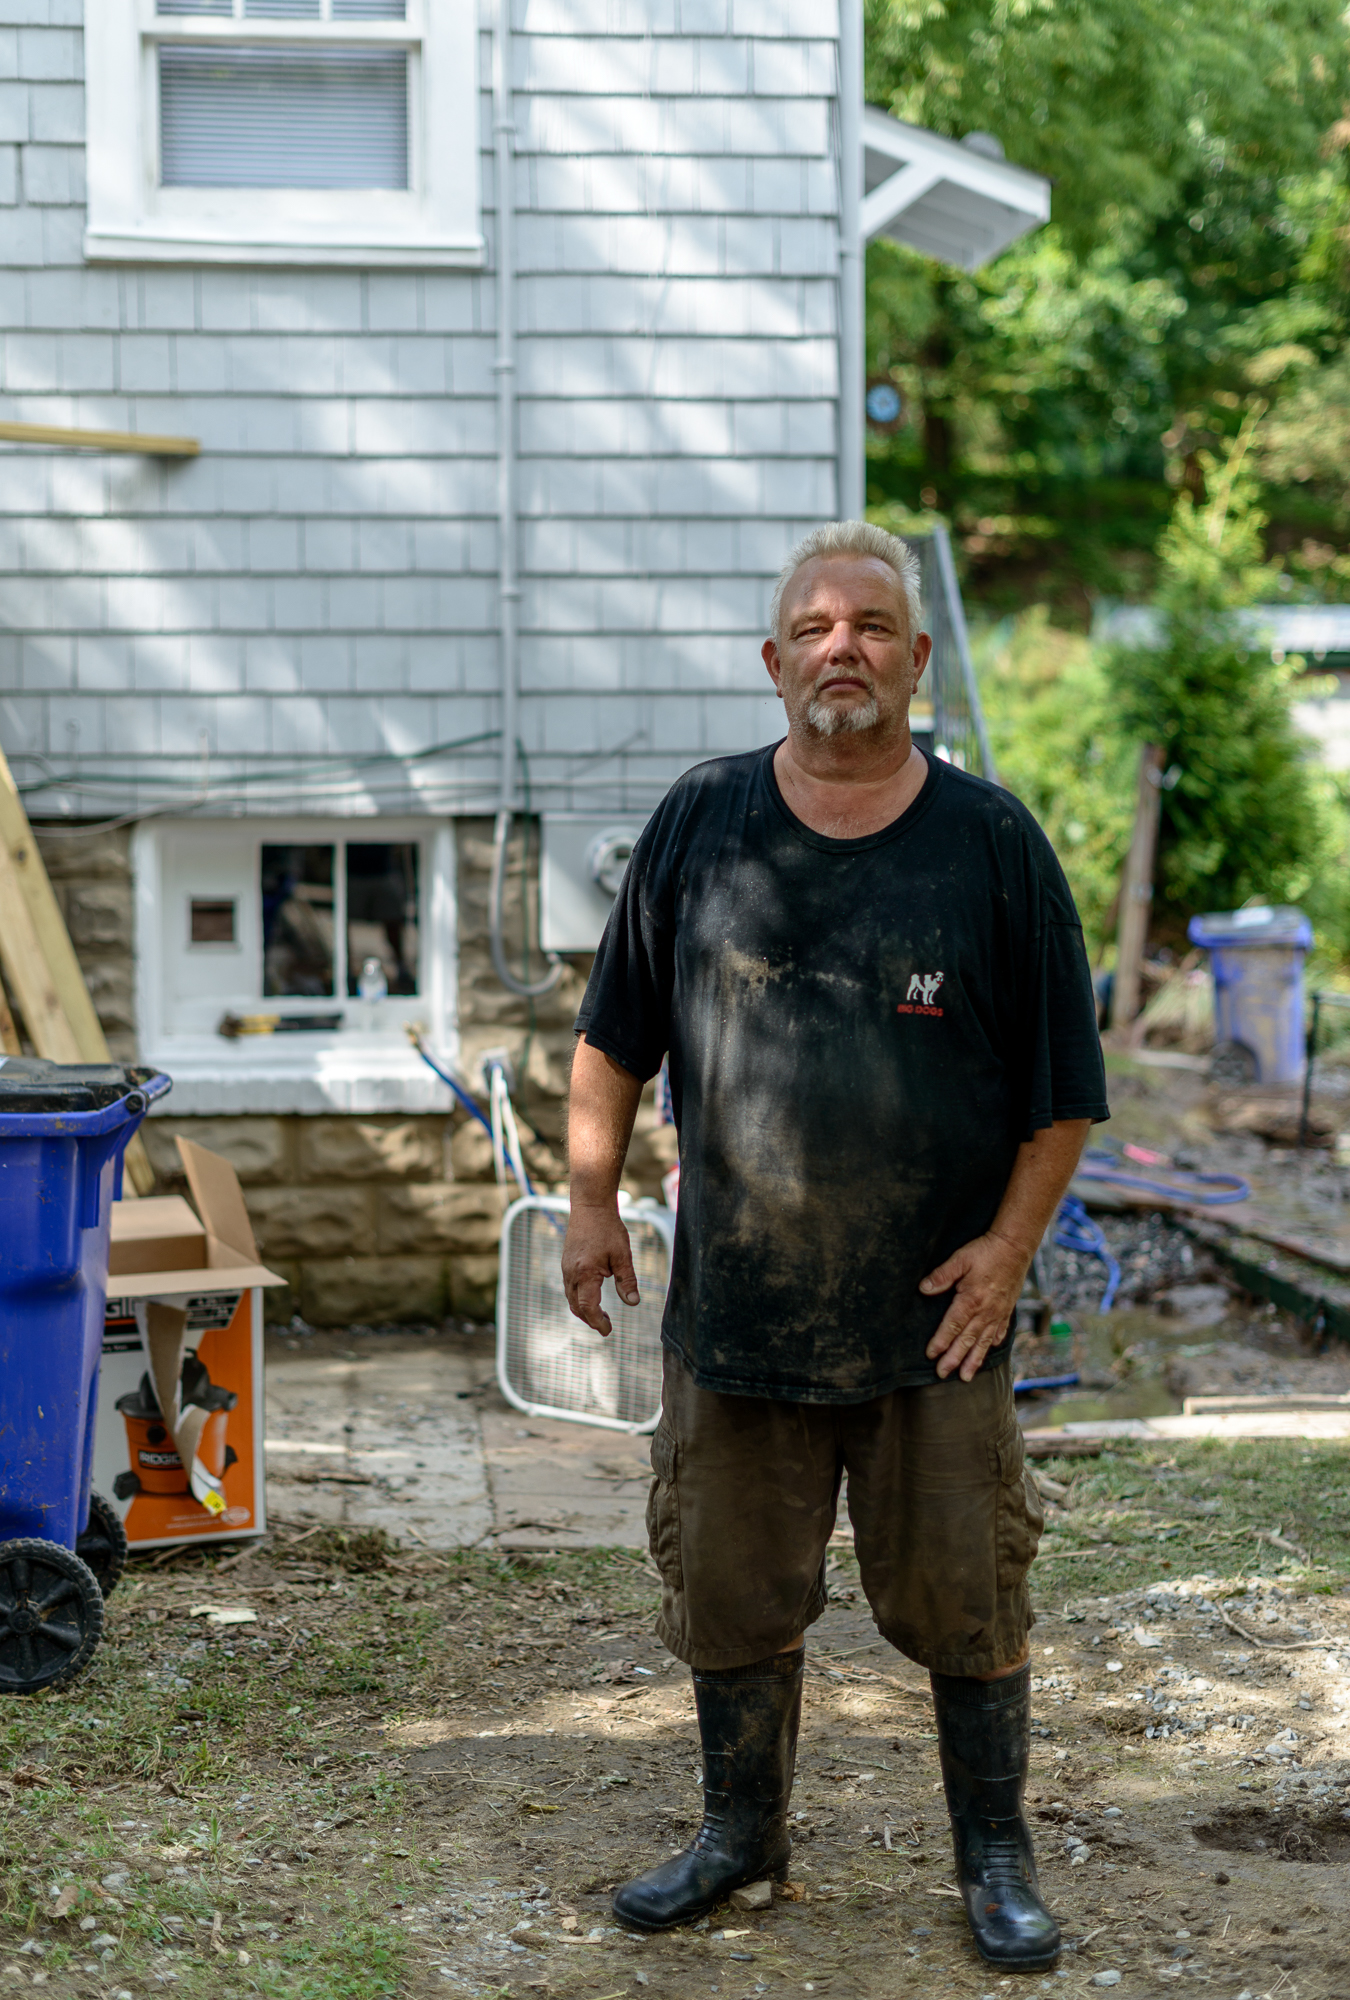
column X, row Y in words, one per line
column 291, row 10
column 235, row 116
column 282, row 10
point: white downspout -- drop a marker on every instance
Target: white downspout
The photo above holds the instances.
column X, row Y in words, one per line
column 508, row 589
column 852, row 461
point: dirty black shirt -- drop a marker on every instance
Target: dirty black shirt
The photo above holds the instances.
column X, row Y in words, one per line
column 861, row 1033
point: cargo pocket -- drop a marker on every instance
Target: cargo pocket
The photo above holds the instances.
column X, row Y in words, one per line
column 663, row 1508
column 1021, row 1518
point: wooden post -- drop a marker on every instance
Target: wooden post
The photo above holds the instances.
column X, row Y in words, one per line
column 1137, row 888
column 40, row 966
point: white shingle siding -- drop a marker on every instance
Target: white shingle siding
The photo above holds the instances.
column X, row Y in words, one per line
column 321, row 582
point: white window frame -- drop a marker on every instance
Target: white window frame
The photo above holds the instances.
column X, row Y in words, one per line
column 434, row 224
column 367, row 1065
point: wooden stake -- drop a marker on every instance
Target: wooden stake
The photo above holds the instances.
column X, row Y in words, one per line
column 1137, row 889
column 39, row 960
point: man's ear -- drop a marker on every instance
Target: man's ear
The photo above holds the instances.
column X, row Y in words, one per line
column 923, row 652
column 768, row 652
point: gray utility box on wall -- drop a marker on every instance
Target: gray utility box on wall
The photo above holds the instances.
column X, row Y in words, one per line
column 581, row 865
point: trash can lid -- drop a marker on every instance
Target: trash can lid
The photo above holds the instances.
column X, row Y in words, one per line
column 31, row 1086
column 1259, row 924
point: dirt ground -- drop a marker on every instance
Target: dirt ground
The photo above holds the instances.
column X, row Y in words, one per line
column 340, row 1767
column 406, row 1774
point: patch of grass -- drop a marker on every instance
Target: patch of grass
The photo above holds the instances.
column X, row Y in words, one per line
column 358, row 1960
column 1143, row 1512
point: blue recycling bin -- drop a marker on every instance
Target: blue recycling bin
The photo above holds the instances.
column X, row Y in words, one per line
column 64, row 1130
column 1256, row 958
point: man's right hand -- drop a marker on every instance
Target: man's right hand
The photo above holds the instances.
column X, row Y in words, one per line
column 597, row 1248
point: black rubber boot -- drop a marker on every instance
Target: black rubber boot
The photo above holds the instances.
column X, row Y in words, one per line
column 747, row 1719
column 984, row 1739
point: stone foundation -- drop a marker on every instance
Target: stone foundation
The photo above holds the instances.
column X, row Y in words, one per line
column 374, row 1219
column 365, row 1218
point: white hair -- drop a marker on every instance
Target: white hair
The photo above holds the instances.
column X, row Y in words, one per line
column 852, row 538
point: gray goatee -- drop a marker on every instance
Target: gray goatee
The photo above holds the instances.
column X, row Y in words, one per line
column 828, row 721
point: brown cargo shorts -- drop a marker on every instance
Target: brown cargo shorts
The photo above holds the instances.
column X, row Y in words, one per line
column 945, row 1519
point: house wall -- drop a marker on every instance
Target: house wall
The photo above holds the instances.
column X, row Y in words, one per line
column 320, row 582
column 312, row 600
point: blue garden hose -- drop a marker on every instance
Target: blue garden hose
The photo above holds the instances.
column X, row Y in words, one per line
column 458, row 1089
column 1075, row 1230
column 1099, row 1165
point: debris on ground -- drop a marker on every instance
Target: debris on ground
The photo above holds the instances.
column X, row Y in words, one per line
column 417, row 1773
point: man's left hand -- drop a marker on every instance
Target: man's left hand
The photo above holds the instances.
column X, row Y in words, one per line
column 987, row 1274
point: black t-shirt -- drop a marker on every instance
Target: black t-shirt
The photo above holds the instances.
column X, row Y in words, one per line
column 861, row 1034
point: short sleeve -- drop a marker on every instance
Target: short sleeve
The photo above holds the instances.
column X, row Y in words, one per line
column 1067, row 1074
column 626, row 1008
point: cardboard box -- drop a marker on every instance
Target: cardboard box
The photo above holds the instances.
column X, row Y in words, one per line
column 178, row 1445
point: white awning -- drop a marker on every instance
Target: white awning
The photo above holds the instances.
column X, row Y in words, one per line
column 954, row 200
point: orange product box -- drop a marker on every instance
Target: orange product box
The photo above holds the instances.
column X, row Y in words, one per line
column 178, row 1443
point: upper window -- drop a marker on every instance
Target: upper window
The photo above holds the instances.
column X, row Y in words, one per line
column 283, row 131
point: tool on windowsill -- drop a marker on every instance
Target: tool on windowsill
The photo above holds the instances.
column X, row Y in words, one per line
column 232, row 1026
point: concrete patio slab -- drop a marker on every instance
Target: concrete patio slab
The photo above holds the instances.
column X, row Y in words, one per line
column 411, row 1434
column 379, row 1435
column 560, row 1485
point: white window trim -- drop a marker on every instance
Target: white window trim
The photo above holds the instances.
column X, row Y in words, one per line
column 436, row 224
column 350, row 1070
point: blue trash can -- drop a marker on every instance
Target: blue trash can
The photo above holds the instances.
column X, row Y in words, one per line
column 64, row 1130
column 1256, row 958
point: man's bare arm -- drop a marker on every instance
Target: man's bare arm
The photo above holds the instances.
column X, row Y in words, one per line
column 600, row 1113
column 987, row 1273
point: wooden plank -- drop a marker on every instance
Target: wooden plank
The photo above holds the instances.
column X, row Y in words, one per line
column 9, row 1034
column 49, row 926
column 27, row 974
column 51, row 961
column 146, row 443
column 1053, row 1444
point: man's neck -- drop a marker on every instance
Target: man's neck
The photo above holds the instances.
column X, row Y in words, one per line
column 845, row 786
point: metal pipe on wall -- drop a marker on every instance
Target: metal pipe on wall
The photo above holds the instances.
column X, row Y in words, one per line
column 852, row 494
column 508, row 582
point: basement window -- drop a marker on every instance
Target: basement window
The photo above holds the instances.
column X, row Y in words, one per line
column 283, row 131
column 318, row 945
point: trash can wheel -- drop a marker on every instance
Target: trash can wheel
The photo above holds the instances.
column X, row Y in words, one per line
column 1234, row 1064
column 51, row 1615
column 103, row 1545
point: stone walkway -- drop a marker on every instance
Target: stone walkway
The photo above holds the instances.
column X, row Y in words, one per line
column 413, row 1436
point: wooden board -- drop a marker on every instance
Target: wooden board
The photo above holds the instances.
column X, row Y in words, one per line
column 143, row 442
column 40, row 966
column 27, row 974
column 9, row 1034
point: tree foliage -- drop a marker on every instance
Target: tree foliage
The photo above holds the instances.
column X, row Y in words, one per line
column 1248, row 815
column 1197, row 256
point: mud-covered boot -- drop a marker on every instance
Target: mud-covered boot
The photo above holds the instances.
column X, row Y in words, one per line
column 984, row 1739
column 747, row 1720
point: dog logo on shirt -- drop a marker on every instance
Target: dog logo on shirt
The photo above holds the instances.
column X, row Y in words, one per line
column 923, row 988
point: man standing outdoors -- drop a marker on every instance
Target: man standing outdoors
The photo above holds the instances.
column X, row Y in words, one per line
column 867, row 971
